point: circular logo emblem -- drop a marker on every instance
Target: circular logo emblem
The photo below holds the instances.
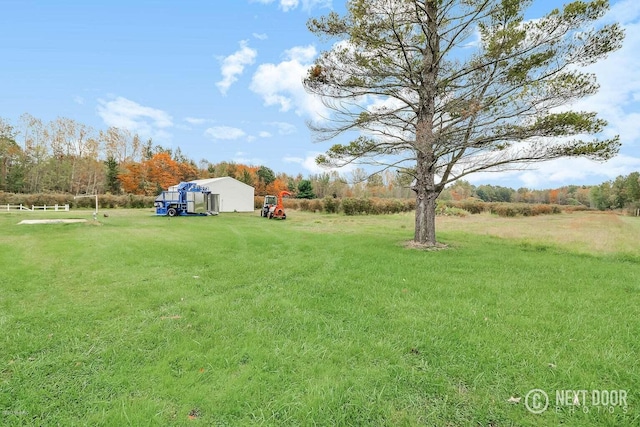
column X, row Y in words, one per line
column 536, row 401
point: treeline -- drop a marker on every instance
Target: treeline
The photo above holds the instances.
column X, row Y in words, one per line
column 621, row 193
column 567, row 195
column 65, row 156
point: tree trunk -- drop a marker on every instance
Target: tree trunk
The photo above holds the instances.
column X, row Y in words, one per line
column 425, row 232
column 425, row 187
column 426, row 194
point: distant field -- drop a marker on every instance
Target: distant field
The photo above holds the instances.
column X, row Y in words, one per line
column 318, row 320
column 585, row 232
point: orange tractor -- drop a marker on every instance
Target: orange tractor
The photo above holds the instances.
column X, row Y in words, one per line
column 273, row 206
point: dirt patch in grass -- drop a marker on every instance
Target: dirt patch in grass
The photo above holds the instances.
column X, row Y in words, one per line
column 412, row 244
column 50, row 221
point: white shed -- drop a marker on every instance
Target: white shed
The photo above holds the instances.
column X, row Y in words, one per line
column 234, row 196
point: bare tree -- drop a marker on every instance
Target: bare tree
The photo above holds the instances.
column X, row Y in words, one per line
column 445, row 88
column 121, row 145
column 35, row 146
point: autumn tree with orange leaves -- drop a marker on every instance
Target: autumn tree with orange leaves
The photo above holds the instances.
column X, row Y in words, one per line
column 155, row 174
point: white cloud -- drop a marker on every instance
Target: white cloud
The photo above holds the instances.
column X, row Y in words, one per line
column 265, row 134
column 260, row 36
column 233, row 65
column 618, row 98
column 474, row 40
column 243, row 157
column 126, row 114
column 617, row 101
column 309, row 163
column 292, row 159
column 624, row 11
column 287, row 5
column 560, row 172
column 224, row 132
column 281, row 84
column 194, row 120
column 283, row 128
column 78, row 100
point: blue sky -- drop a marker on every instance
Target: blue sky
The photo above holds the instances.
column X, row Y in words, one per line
column 222, row 79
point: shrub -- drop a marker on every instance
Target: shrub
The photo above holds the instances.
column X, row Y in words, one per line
column 364, row 206
column 331, row 205
column 348, row 206
column 575, row 208
column 443, row 209
column 376, row 206
column 396, row 206
column 541, row 209
column 136, row 201
column 315, row 205
column 524, row 209
column 85, row 203
column 473, row 205
column 304, row 204
column 503, row 209
column 388, row 206
column 292, row 204
column 409, row 205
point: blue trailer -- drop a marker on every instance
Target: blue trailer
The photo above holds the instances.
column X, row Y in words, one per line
column 187, row 198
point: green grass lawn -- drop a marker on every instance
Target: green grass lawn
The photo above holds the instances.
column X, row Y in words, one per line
column 317, row 320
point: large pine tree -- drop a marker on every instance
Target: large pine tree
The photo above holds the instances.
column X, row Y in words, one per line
column 427, row 94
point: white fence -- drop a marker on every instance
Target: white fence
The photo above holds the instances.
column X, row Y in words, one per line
column 34, row 208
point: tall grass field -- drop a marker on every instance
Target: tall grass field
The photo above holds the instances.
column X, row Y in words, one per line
column 319, row 320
